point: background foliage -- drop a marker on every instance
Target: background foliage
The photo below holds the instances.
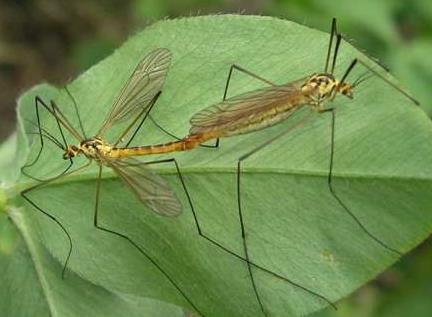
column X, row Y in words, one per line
column 53, row 41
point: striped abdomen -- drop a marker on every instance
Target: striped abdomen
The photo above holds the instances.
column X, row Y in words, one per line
column 184, row 144
column 250, row 112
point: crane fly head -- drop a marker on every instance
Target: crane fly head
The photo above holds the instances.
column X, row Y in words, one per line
column 71, row 151
column 345, row 89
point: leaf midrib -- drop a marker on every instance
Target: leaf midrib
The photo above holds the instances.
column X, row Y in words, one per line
column 15, row 190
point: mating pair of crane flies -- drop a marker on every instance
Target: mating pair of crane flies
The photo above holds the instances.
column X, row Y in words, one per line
column 240, row 114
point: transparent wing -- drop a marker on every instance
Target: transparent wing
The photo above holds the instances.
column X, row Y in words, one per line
column 142, row 86
column 239, row 110
column 149, row 188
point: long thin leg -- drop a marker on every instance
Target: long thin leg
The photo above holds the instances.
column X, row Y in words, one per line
column 176, row 137
column 76, row 112
column 245, row 71
column 199, row 229
column 145, row 115
column 240, row 212
column 333, row 32
column 336, row 50
column 46, row 134
column 243, row 235
column 162, row 128
column 54, row 111
column 337, row 198
column 225, row 249
column 331, row 164
column 64, row 121
column 125, row 237
column 24, row 194
column 39, row 102
column 65, row 171
column 227, row 84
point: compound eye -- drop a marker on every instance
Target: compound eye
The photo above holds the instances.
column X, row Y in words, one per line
column 348, row 93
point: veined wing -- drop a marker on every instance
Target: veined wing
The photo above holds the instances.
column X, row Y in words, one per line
column 239, row 110
column 149, row 188
column 142, row 86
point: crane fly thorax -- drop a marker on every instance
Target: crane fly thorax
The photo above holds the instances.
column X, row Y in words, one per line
column 321, row 87
column 92, row 148
column 95, row 147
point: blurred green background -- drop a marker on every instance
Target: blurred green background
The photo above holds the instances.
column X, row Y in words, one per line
column 43, row 40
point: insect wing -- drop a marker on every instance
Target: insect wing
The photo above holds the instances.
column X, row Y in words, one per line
column 150, row 188
column 142, row 86
column 238, row 110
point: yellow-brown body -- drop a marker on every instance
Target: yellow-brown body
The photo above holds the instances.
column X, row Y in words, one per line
column 230, row 117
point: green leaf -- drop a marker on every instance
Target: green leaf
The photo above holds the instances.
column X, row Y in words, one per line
column 31, row 285
column 294, row 226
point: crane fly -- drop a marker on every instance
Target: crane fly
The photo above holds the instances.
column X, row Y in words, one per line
column 134, row 101
column 268, row 106
column 273, row 104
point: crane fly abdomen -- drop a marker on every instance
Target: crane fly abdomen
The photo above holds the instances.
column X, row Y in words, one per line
column 187, row 143
column 251, row 111
column 262, row 120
